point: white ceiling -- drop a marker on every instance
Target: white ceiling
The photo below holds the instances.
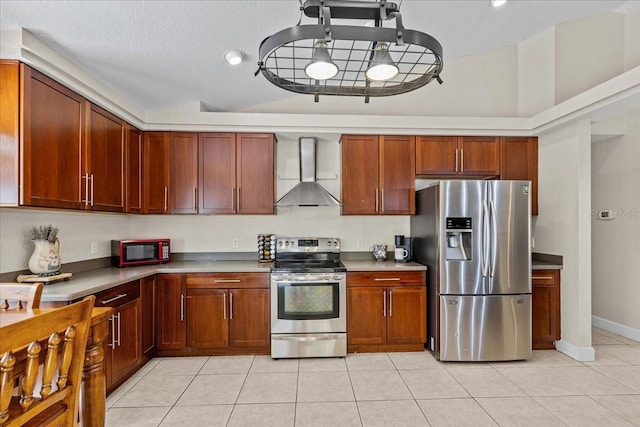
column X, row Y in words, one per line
column 161, row 54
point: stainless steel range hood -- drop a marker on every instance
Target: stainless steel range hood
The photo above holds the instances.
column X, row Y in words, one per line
column 308, row 192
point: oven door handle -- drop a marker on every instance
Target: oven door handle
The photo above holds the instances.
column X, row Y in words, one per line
column 319, row 338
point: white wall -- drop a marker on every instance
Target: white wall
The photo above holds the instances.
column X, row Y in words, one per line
column 632, row 39
column 76, row 232
column 563, row 228
column 588, row 52
column 536, row 73
column 616, row 243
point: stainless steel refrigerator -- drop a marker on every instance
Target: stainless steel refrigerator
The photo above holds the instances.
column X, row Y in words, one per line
column 474, row 237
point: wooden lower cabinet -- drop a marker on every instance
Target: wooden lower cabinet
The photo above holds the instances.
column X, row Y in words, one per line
column 123, row 345
column 386, row 311
column 545, row 325
column 202, row 314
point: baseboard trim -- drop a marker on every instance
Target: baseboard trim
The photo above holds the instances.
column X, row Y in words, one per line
column 581, row 354
column 616, row 328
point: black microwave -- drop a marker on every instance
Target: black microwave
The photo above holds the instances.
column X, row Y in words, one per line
column 127, row 253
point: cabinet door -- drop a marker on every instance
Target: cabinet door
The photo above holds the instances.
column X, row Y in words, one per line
column 170, row 312
column 519, row 160
column 545, row 296
column 406, row 316
column 437, row 155
column 9, row 132
column 217, row 173
column 148, row 310
column 183, row 197
column 397, row 175
column 207, row 318
column 360, row 176
column 126, row 350
column 366, row 316
column 53, row 128
column 156, row 172
column 255, row 173
column 133, row 169
column 249, row 318
column 105, row 161
column 479, row 155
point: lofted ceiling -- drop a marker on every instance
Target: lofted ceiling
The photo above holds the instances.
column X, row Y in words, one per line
column 161, row 54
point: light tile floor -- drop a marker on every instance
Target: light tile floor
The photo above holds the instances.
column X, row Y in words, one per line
column 385, row 389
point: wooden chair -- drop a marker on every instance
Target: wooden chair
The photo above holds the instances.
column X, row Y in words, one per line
column 20, row 295
column 64, row 333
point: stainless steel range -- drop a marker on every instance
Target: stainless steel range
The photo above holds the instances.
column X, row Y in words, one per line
column 308, row 299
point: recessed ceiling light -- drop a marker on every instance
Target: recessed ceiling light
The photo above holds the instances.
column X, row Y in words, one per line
column 498, row 3
column 234, row 57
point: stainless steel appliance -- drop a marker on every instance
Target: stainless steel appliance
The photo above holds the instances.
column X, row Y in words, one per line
column 474, row 236
column 308, row 299
column 127, row 253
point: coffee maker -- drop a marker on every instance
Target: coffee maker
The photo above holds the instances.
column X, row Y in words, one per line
column 403, row 249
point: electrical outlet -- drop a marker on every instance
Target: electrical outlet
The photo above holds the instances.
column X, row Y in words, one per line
column 235, row 243
column 94, row 248
column 361, row 243
column 533, row 242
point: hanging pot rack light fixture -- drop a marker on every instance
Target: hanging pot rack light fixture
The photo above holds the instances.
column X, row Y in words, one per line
column 350, row 60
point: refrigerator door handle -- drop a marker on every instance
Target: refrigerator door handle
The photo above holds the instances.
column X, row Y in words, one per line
column 494, row 237
column 485, row 239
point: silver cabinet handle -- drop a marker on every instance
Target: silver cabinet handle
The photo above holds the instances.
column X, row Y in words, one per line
column 85, row 200
column 91, row 190
column 390, row 302
column 233, row 195
column 166, row 198
column 382, row 200
column 386, row 279
column 462, row 160
column 227, row 281
column 384, row 303
column 112, row 319
column 107, row 301
column 238, row 201
column 182, row 307
column 195, row 199
column 302, row 339
column 456, row 160
column 542, row 277
column 376, row 200
column 118, row 316
column 224, row 305
column 230, row 305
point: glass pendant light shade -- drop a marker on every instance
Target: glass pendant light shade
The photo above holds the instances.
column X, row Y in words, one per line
column 321, row 67
column 382, row 67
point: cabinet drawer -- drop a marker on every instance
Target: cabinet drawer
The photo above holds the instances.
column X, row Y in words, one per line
column 386, row 278
column 119, row 295
column 544, row 277
column 228, row 280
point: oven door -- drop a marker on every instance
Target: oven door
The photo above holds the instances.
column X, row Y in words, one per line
column 308, row 303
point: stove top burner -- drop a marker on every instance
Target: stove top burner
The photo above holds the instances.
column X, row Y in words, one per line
column 308, row 255
column 309, row 266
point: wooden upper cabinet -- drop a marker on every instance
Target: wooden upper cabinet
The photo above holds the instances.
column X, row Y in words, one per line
column 9, row 132
column 217, row 173
column 255, row 173
column 133, row 166
column 458, row 156
column 104, row 167
column 378, row 175
column 437, row 155
column 156, row 172
column 51, row 142
column 519, row 161
column 183, row 194
column 360, row 175
column 397, row 174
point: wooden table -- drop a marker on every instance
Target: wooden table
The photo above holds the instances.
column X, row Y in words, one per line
column 93, row 394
